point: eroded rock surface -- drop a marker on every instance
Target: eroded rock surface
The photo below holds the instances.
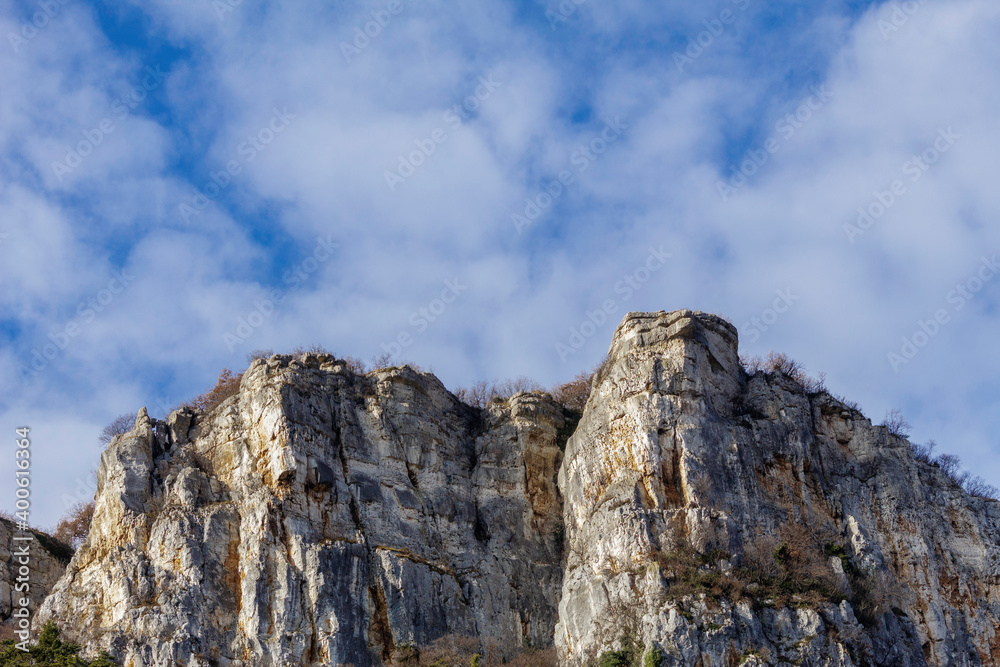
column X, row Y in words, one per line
column 680, row 452
column 708, row 516
column 44, row 568
column 320, row 517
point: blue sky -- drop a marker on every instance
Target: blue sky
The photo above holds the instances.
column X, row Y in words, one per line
column 182, row 183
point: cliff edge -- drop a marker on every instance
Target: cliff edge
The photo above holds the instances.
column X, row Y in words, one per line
column 699, row 515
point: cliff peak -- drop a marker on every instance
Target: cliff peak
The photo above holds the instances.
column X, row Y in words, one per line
column 704, row 514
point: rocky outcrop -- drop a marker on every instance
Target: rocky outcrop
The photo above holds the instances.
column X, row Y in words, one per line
column 45, row 559
column 699, row 516
column 687, row 480
column 321, row 517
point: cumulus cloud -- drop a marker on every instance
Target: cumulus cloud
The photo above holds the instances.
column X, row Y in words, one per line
column 275, row 130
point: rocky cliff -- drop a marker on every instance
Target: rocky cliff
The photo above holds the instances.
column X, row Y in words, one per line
column 735, row 519
column 45, row 559
column 321, row 517
column 704, row 516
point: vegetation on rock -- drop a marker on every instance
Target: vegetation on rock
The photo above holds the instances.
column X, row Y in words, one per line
column 72, row 529
column 50, row 651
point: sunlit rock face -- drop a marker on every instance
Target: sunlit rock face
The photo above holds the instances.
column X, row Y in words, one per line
column 684, row 471
column 321, row 517
column 698, row 515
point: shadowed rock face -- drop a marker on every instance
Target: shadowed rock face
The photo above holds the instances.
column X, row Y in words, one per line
column 44, row 569
column 319, row 517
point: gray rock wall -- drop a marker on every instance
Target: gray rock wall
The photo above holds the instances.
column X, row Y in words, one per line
column 679, row 451
column 322, row 518
column 44, row 570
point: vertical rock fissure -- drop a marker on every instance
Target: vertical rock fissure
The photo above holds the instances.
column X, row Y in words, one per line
column 379, row 628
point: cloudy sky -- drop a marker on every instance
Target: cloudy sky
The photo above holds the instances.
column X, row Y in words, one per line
column 484, row 189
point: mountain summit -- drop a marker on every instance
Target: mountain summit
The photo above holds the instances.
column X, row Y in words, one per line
column 697, row 515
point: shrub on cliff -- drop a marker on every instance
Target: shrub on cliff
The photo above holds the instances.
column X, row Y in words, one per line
column 485, row 392
column 50, row 651
column 896, row 424
column 951, row 465
column 72, row 529
column 227, row 385
column 779, row 363
column 626, row 656
column 575, row 393
column 121, row 425
column 254, row 355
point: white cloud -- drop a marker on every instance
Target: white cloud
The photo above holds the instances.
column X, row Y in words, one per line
column 324, row 175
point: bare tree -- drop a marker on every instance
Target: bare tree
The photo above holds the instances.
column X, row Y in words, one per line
column 357, row 366
column 779, row 363
column 924, row 452
column 259, row 354
column 977, row 486
column 485, row 392
column 896, row 423
column 949, row 464
column 575, row 393
column 121, row 425
column 477, row 395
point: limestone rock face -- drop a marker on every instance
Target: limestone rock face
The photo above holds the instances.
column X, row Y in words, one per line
column 321, row 517
column 680, row 454
column 698, row 514
column 44, row 570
